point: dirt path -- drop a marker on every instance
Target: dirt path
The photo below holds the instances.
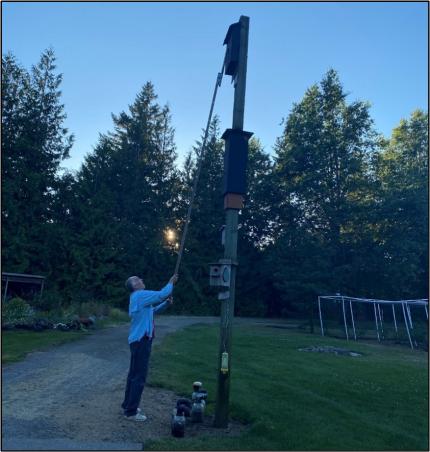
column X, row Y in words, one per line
column 69, row 397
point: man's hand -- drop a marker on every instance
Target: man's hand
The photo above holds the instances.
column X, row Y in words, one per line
column 170, row 300
column 173, row 279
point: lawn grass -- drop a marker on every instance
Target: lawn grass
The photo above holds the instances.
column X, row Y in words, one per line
column 365, row 330
column 16, row 344
column 297, row 400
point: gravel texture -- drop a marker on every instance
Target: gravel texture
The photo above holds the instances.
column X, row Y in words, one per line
column 69, row 397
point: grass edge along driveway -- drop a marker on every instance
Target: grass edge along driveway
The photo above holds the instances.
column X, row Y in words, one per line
column 16, row 344
column 296, row 400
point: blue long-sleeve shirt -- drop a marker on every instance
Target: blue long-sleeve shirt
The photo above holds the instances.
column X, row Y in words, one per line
column 141, row 310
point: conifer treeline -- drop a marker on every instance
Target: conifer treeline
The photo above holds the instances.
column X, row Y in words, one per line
column 338, row 208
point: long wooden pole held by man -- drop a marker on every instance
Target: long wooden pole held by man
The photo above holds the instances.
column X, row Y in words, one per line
column 233, row 202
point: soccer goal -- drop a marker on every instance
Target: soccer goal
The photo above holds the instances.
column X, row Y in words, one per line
column 364, row 318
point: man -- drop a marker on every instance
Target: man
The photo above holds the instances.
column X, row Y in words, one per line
column 142, row 310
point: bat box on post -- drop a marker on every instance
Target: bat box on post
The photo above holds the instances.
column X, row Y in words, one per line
column 235, row 161
column 232, row 39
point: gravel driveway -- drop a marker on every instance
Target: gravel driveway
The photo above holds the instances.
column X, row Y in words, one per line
column 69, row 397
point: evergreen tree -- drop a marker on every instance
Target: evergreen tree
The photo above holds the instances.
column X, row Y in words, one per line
column 34, row 142
column 322, row 175
column 256, row 220
column 127, row 189
column 64, row 211
column 339, row 209
column 203, row 242
column 402, row 227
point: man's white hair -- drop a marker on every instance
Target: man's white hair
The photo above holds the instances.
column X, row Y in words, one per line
column 131, row 283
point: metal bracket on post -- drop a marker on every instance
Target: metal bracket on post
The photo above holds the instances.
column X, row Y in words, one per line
column 222, row 229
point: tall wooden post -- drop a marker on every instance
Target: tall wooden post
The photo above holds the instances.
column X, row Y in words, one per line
column 232, row 204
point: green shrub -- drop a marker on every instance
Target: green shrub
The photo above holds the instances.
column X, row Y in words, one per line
column 49, row 301
column 70, row 313
column 56, row 315
column 118, row 315
column 93, row 308
column 16, row 311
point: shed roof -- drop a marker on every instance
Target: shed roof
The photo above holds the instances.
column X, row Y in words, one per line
column 22, row 277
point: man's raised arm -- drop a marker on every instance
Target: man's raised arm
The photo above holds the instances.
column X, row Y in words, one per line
column 153, row 297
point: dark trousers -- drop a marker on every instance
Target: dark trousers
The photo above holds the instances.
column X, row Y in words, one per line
column 140, row 353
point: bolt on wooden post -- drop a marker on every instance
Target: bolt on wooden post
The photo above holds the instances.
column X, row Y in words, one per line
column 235, row 160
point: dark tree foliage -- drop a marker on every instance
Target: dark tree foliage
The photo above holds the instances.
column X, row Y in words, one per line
column 321, row 171
column 34, row 142
column 402, row 209
column 256, row 222
column 203, row 242
column 127, row 190
column 338, row 208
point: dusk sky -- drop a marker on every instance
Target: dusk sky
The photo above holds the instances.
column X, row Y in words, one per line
column 108, row 51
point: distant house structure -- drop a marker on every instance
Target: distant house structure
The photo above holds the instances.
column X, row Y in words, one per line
column 20, row 284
